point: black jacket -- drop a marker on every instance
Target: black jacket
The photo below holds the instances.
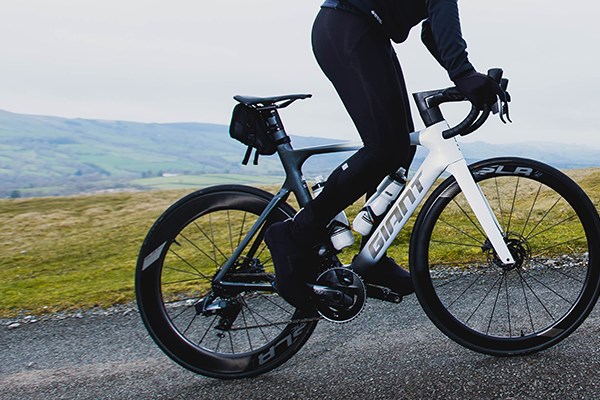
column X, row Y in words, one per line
column 441, row 31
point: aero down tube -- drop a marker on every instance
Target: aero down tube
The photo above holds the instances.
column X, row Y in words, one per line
column 398, row 214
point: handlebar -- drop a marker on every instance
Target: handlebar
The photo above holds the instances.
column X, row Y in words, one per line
column 428, row 103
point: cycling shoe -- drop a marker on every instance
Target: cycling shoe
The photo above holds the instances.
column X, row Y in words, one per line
column 295, row 262
column 390, row 275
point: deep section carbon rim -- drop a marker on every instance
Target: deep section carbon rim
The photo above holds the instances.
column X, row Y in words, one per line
column 211, row 329
column 551, row 228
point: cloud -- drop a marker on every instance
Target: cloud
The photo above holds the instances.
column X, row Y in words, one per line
column 183, row 60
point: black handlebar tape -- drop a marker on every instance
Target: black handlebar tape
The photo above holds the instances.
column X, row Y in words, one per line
column 482, row 118
column 458, row 129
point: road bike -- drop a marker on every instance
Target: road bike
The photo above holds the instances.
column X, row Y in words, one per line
column 503, row 254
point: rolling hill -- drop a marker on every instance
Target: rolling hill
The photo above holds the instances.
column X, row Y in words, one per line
column 45, row 155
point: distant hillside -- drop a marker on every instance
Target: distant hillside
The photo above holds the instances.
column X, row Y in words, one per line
column 43, row 155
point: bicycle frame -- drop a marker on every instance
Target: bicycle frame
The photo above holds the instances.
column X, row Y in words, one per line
column 444, row 155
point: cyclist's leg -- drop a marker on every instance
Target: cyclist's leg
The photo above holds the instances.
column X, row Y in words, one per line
column 364, row 69
column 361, row 64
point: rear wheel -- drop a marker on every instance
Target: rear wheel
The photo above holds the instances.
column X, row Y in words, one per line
column 217, row 331
column 552, row 230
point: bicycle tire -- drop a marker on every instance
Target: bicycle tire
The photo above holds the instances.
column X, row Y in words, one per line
column 553, row 231
column 182, row 252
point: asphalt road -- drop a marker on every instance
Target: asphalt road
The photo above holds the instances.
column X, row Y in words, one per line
column 389, row 352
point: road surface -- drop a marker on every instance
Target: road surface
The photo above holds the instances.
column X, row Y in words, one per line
column 389, row 352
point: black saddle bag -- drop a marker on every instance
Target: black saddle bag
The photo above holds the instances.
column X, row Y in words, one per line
column 249, row 127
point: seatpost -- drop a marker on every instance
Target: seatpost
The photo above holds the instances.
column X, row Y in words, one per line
column 275, row 126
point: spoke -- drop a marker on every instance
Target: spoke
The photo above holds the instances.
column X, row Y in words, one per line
column 262, row 317
column 482, row 300
column 535, row 295
column 455, row 243
column 266, row 297
column 557, row 269
column 198, row 248
column 450, row 264
column 190, row 265
column 553, row 226
column 255, row 321
column 547, row 287
column 231, row 342
column 247, row 331
column 464, row 291
column 507, row 305
column 512, row 208
column 469, row 218
column 230, row 234
column 543, row 251
column 262, row 249
column 179, row 314
column 190, row 324
column 183, row 271
column 495, row 303
column 441, row 267
column 208, row 330
column 526, row 303
column 499, row 202
column 219, row 341
column 543, row 218
column 211, row 239
column 180, row 281
column 531, row 210
column 461, row 231
column 241, row 230
column 560, row 271
column 451, row 281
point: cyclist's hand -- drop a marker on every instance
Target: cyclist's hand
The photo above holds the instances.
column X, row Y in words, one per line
column 480, row 89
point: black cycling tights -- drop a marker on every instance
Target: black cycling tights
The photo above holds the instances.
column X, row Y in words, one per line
column 360, row 62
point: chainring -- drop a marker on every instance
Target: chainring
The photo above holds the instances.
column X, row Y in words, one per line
column 339, row 294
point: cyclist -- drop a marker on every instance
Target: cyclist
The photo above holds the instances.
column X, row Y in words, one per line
column 352, row 43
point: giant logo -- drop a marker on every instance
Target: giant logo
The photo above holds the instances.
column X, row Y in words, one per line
column 395, row 216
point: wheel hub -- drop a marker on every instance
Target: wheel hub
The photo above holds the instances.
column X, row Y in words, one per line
column 519, row 249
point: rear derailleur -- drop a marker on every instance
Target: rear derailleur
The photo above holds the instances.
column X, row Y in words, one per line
column 227, row 309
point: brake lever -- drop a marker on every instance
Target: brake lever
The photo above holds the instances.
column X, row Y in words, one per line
column 505, row 112
column 501, row 106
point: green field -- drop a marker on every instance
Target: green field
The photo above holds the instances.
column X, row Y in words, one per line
column 65, row 253
column 200, row 181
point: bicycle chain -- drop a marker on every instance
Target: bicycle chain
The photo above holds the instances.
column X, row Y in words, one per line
column 293, row 321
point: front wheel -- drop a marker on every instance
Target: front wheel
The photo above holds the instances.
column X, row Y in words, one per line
column 218, row 331
column 552, row 230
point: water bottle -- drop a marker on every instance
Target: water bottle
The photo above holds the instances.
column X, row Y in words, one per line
column 387, row 191
column 339, row 228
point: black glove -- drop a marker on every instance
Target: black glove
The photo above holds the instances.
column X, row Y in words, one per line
column 480, row 89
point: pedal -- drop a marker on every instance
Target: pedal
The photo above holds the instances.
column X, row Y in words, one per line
column 383, row 293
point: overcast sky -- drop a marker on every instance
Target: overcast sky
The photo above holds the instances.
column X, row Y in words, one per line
column 183, row 60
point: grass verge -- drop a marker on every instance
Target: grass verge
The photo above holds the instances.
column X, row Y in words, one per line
column 65, row 253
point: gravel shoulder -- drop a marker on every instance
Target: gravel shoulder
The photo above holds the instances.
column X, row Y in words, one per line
column 389, row 352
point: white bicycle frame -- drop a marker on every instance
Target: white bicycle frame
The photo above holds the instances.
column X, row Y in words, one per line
column 444, row 155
